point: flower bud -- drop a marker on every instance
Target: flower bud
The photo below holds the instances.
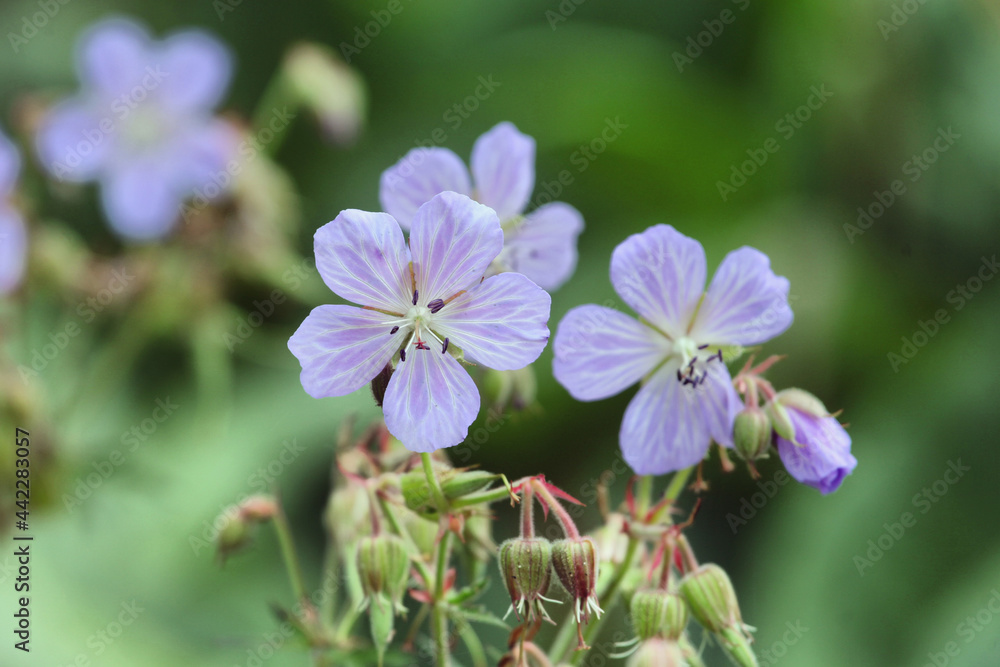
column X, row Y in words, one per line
column 658, row 653
column 329, row 88
column 384, row 567
column 454, row 484
column 752, row 433
column 234, row 534
column 514, row 389
column 710, row 595
column 575, row 563
column 658, row 614
column 736, row 644
column 803, row 401
column 780, row 420
column 526, row 566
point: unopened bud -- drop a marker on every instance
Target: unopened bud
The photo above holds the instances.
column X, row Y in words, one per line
column 454, row 484
column 752, row 433
column 526, row 566
column 710, row 595
column 780, row 420
column 658, row 653
column 658, row 613
column 259, row 508
column 802, row 401
column 234, row 534
column 736, row 644
column 329, row 88
column 514, row 389
column 384, row 567
column 575, row 562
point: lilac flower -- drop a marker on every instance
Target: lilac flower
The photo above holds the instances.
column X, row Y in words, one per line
column 13, row 235
column 426, row 306
column 142, row 124
column 821, row 454
column 541, row 244
column 675, row 348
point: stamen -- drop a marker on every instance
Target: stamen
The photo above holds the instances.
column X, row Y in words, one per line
column 436, row 305
column 421, row 345
column 679, row 376
column 444, row 348
column 393, row 330
column 415, row 293
column 402, row 355
column 719, row 355
column 702, row 347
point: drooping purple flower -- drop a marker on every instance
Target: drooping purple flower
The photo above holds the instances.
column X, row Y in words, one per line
column 142, row 124
column 821, row 454
column 424, row 306
column 675, row 348
column 540, row 244
column 13, row 235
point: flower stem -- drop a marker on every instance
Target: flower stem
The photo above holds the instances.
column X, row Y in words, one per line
column 287, row 544
column 439, row 610
column 436, row 493
column 565, row 520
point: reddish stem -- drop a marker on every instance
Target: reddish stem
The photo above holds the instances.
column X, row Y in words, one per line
column 569, row 528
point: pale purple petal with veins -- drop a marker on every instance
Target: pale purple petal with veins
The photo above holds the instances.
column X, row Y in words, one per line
column 824, row 458
column 13, row 248
column 452, row 242
column 599, row 352
column 113, row 55
column 363, row 258
column 417, row 177
column 543, row 247
column 500, row 324
column 661, row 274
column 341, row 348
column 197, row 69
column 746, row 303
column 503, row 166
column 430, row 401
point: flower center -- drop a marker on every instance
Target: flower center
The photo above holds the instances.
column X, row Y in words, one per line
column 419, row 318
column 694, row 360
column 144, row 128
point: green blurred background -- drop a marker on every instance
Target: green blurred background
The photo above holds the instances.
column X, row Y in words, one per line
column 564, row 71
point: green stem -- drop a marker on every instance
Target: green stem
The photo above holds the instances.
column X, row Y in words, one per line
column 490, row 496
column 399, row 529
column 289, row 556
column 439, row 500
column 274, row 99
column 440, row 611
column 674, row 490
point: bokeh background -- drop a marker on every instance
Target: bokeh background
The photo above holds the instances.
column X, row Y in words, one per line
column 865, row 591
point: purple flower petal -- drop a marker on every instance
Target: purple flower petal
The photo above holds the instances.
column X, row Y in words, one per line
column 113, row 56
column 719, row 403
column 430, row 401
column 500, row 323
column 503, row 165
column 74, row 141
column 746, row 303
column 599, row 352
column 661, row 274
column 140, row 200
column 13, row 249
column 824, row 458
column 197, row 68
column 417, row 177
column 453, row 241
column 201, row 155
column 10, row 165
column 363, row 258
column 668, row 425
column 544, row 246
column 341, row 348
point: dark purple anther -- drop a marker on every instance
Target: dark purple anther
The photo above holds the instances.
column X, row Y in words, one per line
column 415, row 297
column 678, row 375
column 702, row 347
column 444, row 348
column 402, row 355
column 436, row 305
column 393, row 330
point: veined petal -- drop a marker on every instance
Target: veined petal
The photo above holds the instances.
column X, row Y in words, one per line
column 503, row 164
column 417, row 177
column 113, row 56
column 661, row 274
column 822, row 458
column 196, row 68
column 453, row 241
column 600, row 351
column 363, row 258
column 719, row 403
column 10, row 165
column 341, row 348
column 543, row 247
column 668, row 425
column 74, row 141
column 430, row 401
column 500, row 324
column 13, row 249
column 140, row 200
column 746, row 303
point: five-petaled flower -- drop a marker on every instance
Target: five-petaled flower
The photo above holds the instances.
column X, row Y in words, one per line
column 425, row 306
column 13, row 235
column 142, row 124
column 821, row 455
column 541, row 244
column 676, row 348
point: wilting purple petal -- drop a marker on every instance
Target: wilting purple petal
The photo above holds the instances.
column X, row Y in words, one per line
column 430, row 401
column 543, row 247
column 669, row 425
column 341, row 348
column 824, row 458
column 500, row 324
column 74, row 141
column 600, row 351
column 13, row 249
column 140, row 201
column 453, row 241
column 113, row 56
column 10, row 165
column 503, row 165
column 197, row 69
column 417, row 177
column 746, row 303
column 661, row 274
column 363, row 258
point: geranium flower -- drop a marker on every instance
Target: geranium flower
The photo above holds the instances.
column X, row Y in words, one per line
column 675, row 348
column 821, row 455
column 142, row 124
column 424, row 306
column 541, row 244
column 13, row 235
